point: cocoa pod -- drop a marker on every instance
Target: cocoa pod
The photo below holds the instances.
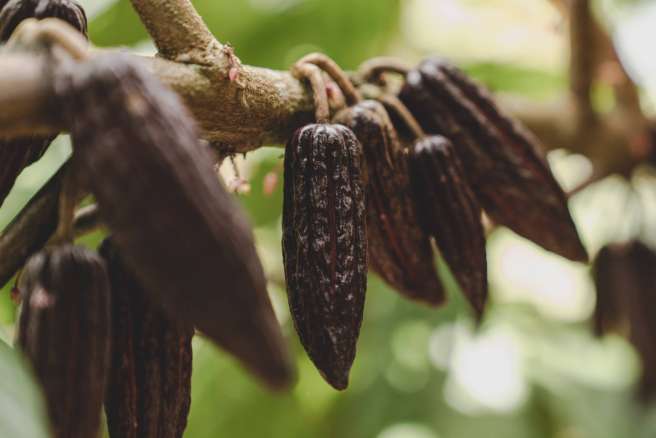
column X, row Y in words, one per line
column 504, row 166
column 449, row 211
column 324, row 245
column 16, row 11
column 609, row 275
column 16, row 154
column 399, row 250
column 64, row 332
column 149, row 386
column 625, row 275
column 30, row 229
column 180, row 232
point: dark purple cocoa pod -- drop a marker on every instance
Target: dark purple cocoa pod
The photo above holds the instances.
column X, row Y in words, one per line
column 324, row 245
column 178, row 229
column 149, row 387
column 64, row 332
column 449, row 211
column 399, row 249
column 29, row 231
column 502, row 159
column 16, row 154
column 15, row 11
column 609, row 276
column 625, row 277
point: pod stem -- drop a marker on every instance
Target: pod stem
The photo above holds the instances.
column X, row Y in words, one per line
column 312, row 74
column 68, row 198
column 375, row 67
column 328, row 65
column 51, row 32
column 393, row 104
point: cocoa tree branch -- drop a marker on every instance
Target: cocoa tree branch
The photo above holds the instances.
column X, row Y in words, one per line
column 261, row 106
column 178, row 31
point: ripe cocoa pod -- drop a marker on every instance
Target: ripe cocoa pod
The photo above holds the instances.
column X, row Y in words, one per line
column 16, row 154
column 505, row 169
column 449, row 211
column 608, row 277
column 29, row 231
column 179, row 231
column 324, row 245
column 624, row 276
column 149, row 386
column 16, row 11
column 399, row 250
column 64, row 331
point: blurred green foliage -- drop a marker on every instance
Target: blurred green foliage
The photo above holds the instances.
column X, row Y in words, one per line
column 399, row 386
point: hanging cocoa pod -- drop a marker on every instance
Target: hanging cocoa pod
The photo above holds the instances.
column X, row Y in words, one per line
column 16, row 11
column 16, row 154
column 511, row 179
column 179, row 231
column 30, row 229
column 625, row 275
column 64, row 331
column 449, row 211
column 608, row 276
column 324, row 245
column 399, row 250
column 149, row 386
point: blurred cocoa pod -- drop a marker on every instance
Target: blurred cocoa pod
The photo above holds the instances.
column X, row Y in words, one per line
column 625, row 279
column 179, row 231
column 324, row 245
column 502, row 159
column 16, row 154
column 399, row 250
column 16, row 11
column 449, row 211
column 149, row 386
column 30, row 229
column 64, row 331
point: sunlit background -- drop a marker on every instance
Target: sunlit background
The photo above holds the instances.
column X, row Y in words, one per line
column 532, row 369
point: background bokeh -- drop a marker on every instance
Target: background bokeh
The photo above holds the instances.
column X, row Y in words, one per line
column 533, row 369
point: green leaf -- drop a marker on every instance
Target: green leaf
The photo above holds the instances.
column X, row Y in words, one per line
column 22, row 409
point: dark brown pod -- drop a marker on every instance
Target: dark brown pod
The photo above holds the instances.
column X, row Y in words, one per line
column 610, row 277
column 29, row 231
column 449, row 211
column 149, row 386
column 179, row 231
column 16, row 154
column 324, row 245
column 15, row 11
column 64, row 332
column 504, row 166
column 399, row 250
column 625, row 277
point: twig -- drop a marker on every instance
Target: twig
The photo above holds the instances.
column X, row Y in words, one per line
column 583, row 60
column 179, row 33
column 312, row 74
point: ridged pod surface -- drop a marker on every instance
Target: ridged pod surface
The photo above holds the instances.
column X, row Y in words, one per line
column 324, row 245
column 149, row 387
column 16, row 154
column 449, row 211
column 399, row 250
column 178, row 229
column 502, row 159
column 625, row 278
column 64, row 332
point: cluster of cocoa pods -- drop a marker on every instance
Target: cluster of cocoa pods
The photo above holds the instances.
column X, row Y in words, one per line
column 372, row 184
column 377, row 184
